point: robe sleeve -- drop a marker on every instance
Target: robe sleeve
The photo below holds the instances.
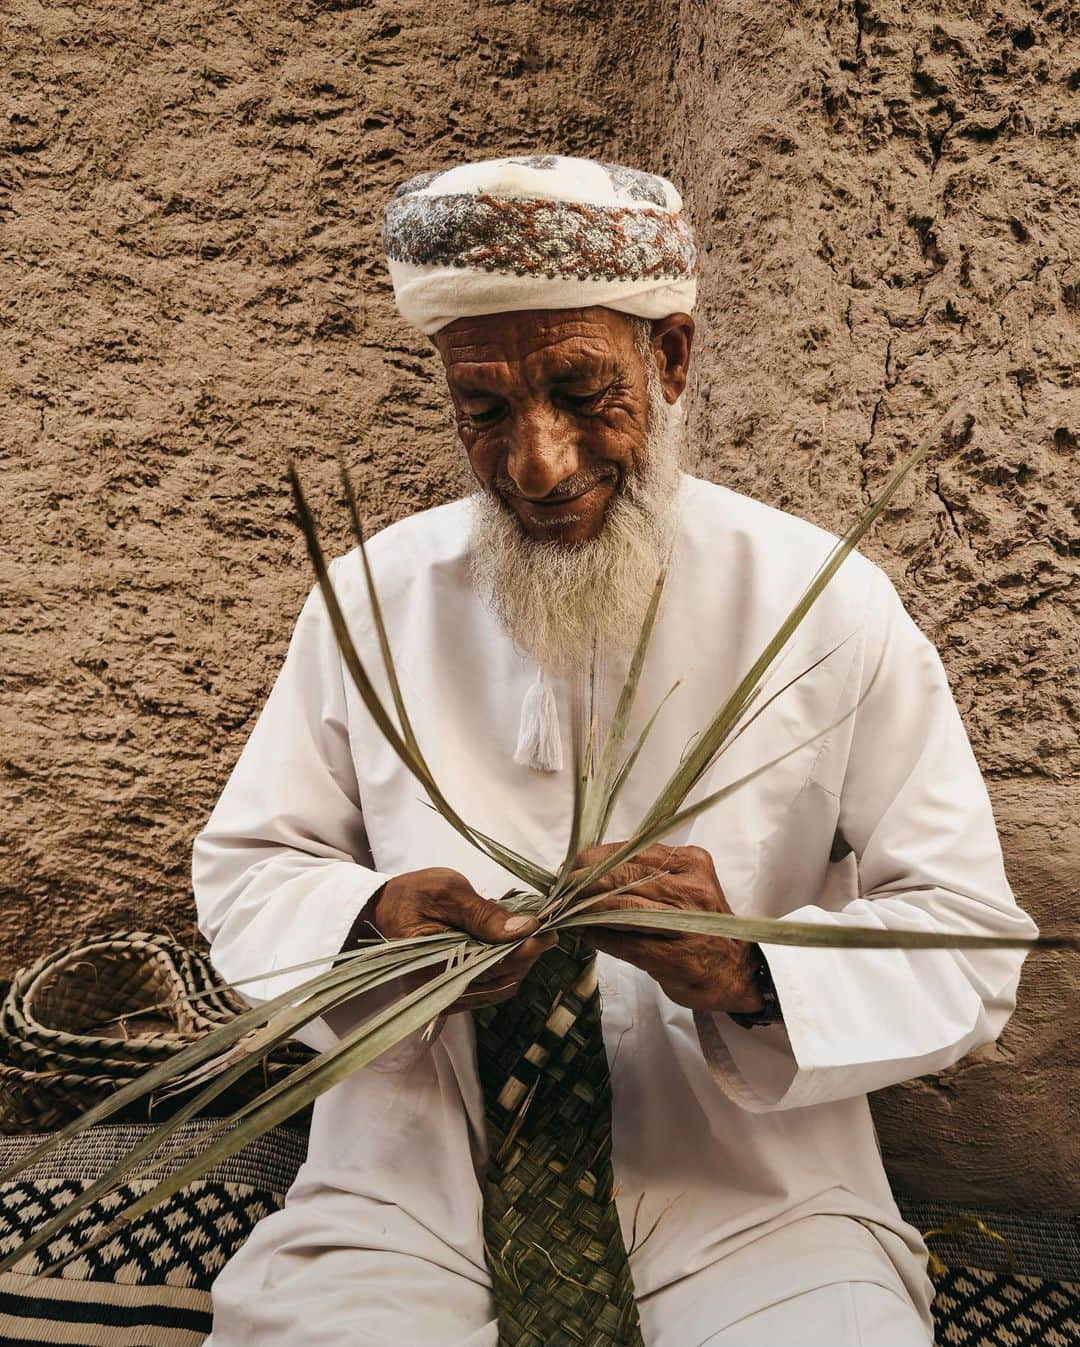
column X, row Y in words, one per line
column 282, row 868
column 914, row 808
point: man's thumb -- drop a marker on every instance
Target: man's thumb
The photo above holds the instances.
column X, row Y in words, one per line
column 492, row 921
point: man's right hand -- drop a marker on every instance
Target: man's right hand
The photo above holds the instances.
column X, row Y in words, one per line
column 427, row 902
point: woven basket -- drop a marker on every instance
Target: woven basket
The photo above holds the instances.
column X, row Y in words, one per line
column 84, row 1021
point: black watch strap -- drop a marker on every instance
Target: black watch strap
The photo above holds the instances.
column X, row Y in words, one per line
column 771, row 1010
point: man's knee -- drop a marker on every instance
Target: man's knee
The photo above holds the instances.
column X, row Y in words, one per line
column 844, row 1314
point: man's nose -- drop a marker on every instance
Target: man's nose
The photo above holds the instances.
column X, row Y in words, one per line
column 543, row 451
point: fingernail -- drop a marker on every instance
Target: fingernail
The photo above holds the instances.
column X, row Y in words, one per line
column 515, row 924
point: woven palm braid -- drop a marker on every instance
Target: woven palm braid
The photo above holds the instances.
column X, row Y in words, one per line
column 559, row 1267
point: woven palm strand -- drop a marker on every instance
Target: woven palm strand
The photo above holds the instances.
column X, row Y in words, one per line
column 81, row 1022
column 559, row 1267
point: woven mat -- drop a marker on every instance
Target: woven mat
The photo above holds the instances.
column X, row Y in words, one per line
column 151, row 1287
column 1044, row 1243
column 79, row 1023
column 975, row 1308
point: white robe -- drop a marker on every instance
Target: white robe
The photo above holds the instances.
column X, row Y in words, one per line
column 755, row 1147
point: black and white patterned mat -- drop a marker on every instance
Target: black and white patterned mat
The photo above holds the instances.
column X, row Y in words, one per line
column 149, row 1286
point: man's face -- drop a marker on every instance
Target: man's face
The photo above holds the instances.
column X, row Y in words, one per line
column 552, row 408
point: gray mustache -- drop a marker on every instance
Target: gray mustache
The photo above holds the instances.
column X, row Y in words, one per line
column 569, row 487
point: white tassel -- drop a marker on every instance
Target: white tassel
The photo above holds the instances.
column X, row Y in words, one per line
column 539, row 744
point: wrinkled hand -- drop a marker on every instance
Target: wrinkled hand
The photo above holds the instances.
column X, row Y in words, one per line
column 702, row 972
column 427, row 902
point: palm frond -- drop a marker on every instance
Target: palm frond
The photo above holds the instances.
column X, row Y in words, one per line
column 364, row 686
column 377, row 963
column 377, row 618
column 697, row 761
column 453, row 959
column 808, row 935
column 598, row 802
column 580, row 752
column 658, row 829
column 628, row 763
column 369, row 1040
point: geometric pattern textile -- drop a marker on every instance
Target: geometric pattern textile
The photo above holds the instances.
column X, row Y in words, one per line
column 185, row 1241
column 976, row 1308
column 162, row 1267
column 149, row 1286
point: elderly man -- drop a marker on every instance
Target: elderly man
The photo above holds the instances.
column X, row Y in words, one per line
column 733, row 1166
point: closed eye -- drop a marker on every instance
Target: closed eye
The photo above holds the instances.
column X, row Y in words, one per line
column 583, row 401
column 484, row 414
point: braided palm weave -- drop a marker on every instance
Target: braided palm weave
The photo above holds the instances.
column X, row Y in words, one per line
column 85, row 1020
column 559, row 1267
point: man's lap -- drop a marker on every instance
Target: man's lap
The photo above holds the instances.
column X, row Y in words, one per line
column 823, row 1281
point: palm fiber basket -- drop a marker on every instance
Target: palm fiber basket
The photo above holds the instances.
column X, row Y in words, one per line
column 84, row 1021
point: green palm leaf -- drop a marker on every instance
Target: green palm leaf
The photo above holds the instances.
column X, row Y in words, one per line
column 599, row 773
column 397, row 740
column 217, row 1042
column 599, row 799
column 369, row 1040
column 810, row 935
column 702, row 754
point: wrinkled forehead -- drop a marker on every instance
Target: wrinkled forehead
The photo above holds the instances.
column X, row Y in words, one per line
column 536, row 344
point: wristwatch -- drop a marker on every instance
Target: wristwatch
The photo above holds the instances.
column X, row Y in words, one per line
column 771, row 1010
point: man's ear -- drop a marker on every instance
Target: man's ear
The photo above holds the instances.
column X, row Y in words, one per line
column 672, row 338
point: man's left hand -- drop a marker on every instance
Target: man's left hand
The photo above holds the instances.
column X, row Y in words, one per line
column 703, row 972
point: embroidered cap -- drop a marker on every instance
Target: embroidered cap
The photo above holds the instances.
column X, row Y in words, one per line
column 541, row 231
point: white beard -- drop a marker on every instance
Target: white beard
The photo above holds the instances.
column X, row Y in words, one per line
column 556, row 600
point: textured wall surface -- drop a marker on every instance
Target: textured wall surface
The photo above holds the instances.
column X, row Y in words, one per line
column 191, row 287
column 890, row 207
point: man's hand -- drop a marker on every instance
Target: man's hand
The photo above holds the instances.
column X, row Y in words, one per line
column 426, row 902
column 703, row 972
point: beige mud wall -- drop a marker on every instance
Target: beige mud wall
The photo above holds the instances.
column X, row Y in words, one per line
column 191, row 286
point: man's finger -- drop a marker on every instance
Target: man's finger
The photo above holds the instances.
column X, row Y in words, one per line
column 659, row 856
column 476, row 999
column 463, row 907
column 481, row 985
column 591, row 856
column 645, row 896
column 635, row 880
column 523, row 958
column 644, row 951
column 627, row 902
column 504, row 980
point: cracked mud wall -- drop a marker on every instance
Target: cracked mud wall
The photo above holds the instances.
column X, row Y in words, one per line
column 192, row 286
column 888, row 204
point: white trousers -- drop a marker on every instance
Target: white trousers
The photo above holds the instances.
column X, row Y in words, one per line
column 823, row 1281
column 846, row 1314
